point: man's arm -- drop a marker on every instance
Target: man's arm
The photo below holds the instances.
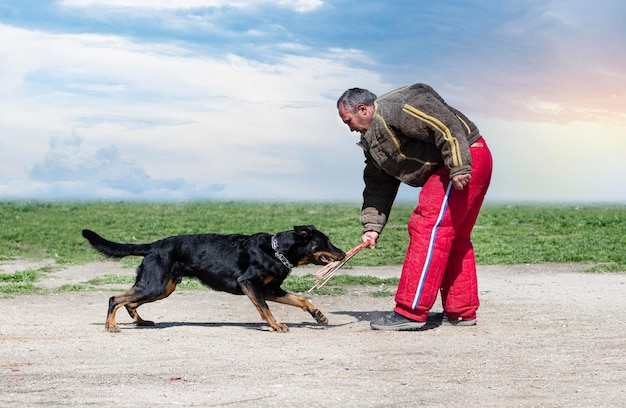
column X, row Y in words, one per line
column 378, row 197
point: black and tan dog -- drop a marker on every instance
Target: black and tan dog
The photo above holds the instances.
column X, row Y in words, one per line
column 255, row 265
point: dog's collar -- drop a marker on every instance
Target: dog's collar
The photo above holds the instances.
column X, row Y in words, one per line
column 281, row 257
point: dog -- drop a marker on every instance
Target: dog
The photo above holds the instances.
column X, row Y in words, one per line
column 255, row 265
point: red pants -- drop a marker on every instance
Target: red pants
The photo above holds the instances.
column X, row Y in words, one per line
column 440, row 255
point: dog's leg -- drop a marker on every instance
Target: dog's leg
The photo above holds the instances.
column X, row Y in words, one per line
column 132, row 307
column 132, row 300
column 293, row 300
column 115, row 302
column 261, row 306
column 132, row 311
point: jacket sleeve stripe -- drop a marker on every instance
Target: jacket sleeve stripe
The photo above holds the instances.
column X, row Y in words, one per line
column 455, row 152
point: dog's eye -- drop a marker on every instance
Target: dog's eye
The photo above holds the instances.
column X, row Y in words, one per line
column 313, row 247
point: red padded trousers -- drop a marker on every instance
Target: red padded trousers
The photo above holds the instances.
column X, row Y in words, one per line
column 440, row 256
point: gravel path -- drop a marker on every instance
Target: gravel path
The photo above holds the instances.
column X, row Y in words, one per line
column 547, row 335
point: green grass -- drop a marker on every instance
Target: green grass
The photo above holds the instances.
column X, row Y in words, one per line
column 537, row 234
column 19, row 277
column 504, row 234
column 53, row 230
column 21, row 282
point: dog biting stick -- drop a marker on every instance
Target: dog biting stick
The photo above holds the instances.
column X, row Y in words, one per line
column 327, row 271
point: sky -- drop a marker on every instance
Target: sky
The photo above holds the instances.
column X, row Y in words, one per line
column 181, row 100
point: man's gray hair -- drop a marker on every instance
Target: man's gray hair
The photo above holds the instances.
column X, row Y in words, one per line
column 354, row 96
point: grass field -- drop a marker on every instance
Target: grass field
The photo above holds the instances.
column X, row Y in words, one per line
column 510, row 234
column 504, row 234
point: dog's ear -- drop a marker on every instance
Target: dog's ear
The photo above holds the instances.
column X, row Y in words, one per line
column 303, row 230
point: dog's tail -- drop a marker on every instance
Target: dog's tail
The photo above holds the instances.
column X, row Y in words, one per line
column 115, row 249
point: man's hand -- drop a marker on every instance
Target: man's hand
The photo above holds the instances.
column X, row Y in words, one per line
column 460, row 181
column 372, row 237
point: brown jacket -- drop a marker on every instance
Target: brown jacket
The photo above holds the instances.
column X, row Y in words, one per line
column 413, row 132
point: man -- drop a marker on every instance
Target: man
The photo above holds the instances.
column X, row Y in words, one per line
column 412, row 136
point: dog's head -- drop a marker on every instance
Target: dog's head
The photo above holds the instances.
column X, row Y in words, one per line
column 313, row 246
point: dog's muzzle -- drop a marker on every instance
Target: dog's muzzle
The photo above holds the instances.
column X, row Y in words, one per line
column 325, row 258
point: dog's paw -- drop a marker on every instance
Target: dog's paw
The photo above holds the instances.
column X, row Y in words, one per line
column 112, row 329
column 280, row 328
column 319, row 317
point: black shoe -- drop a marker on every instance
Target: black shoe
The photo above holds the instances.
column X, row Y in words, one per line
column 394, row 321
column 458, row 322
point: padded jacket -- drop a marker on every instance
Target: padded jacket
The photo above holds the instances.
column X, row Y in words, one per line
column 413, row 132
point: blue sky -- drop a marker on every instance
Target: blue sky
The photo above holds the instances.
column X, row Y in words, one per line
column 236, row 100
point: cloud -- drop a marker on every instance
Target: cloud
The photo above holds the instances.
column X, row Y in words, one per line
column 546, row 64
column 69, row 171
column 178, row 115
column 297, row 5
column 233, row 99
column 536, row 162
column 540, row 61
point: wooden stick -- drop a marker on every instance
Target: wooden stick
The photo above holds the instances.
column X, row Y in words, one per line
column 327, row 271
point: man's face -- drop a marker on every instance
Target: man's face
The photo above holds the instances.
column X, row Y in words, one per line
column 359, row 120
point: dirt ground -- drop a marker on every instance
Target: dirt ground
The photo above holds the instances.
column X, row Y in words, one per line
column 547, row 335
